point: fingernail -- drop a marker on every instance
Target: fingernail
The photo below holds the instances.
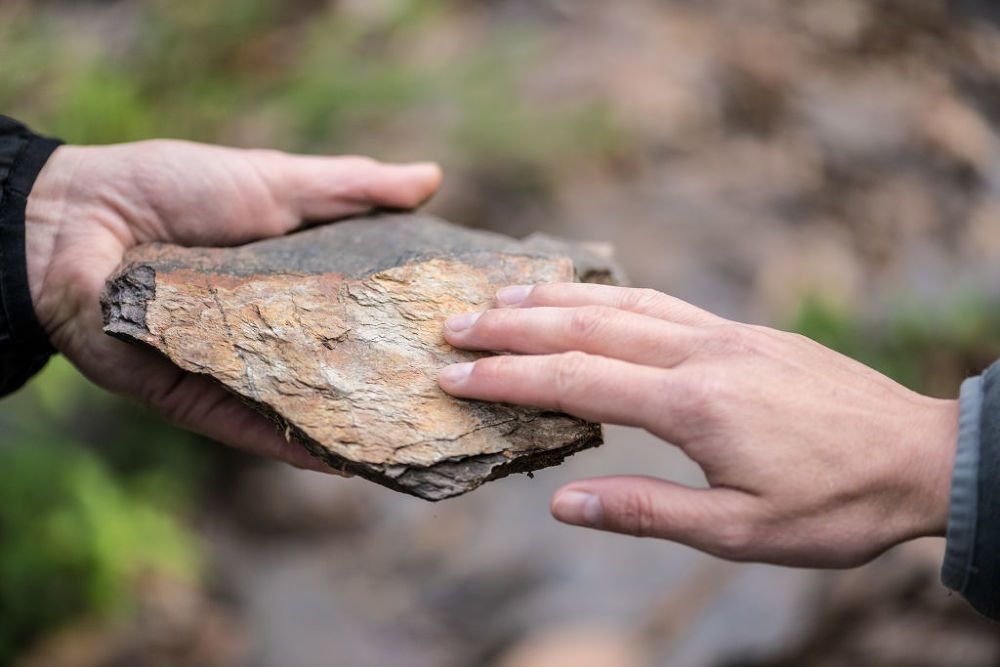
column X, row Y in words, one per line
column 578, row 508
column 462, row 322
column 513, row 295
column 456, row 373
column 426, row 167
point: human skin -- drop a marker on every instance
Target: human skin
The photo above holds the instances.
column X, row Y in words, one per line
column 91, row 204
column 811, row 459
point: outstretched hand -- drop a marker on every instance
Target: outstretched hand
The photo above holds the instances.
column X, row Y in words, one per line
column 90, row 204
column 811, row 458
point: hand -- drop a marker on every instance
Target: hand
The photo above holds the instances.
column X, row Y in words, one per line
column 90, row 204
column 811, row 459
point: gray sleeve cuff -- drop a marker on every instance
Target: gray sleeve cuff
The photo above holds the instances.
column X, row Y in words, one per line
column 958, row 560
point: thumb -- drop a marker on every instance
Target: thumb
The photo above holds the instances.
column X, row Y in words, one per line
column 713, row 520
column 316, row 189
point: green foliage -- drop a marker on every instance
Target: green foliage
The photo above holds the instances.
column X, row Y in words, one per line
column 60, row 405
column 92, row 495
column 75, row 539
column 314, row 76
column 341, row 84
column 101, row 104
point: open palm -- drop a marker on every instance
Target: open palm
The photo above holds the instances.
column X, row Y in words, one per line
column 91, row 204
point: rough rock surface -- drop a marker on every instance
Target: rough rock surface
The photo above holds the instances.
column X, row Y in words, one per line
column 335, row 333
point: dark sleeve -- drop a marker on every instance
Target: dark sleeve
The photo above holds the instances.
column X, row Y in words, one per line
column 24, row 347
column 972, row 559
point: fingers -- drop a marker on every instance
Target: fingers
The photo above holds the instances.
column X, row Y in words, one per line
column 591, row 387
column 596, row 330
column 233, row 423
column 642, row 301
column 198, row 404
column 718, row 521
column 324, row 188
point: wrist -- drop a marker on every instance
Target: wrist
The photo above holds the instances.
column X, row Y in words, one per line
column 47, row 211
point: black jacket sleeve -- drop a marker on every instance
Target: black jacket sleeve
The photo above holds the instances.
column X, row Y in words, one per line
column 24, row 346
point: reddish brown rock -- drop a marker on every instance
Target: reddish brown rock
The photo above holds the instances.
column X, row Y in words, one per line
column 335, row 333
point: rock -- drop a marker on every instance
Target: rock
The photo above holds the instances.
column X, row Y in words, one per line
column 335, row 333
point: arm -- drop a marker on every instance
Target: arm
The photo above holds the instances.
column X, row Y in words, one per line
column 811, row 459
column 88, row 205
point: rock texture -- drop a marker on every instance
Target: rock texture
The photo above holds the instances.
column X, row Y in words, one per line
column 335, row 333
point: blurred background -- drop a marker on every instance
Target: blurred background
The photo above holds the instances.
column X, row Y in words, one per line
column 828, row 166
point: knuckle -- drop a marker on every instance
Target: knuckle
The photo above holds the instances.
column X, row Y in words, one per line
column 162, row 392
column 177, row 402
column 491, row 324
column 568, row 372
column 543, row 293
column 588, row 322
column 728, row 339
column 799, row 339
column 640, row 299
column 703, row 390
column 492, row 368
column 735, row 540
column 637, row 515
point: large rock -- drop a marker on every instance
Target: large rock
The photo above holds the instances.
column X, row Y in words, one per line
column 336, row 334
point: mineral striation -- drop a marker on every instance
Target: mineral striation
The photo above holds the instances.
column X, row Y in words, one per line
column 336, row 334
